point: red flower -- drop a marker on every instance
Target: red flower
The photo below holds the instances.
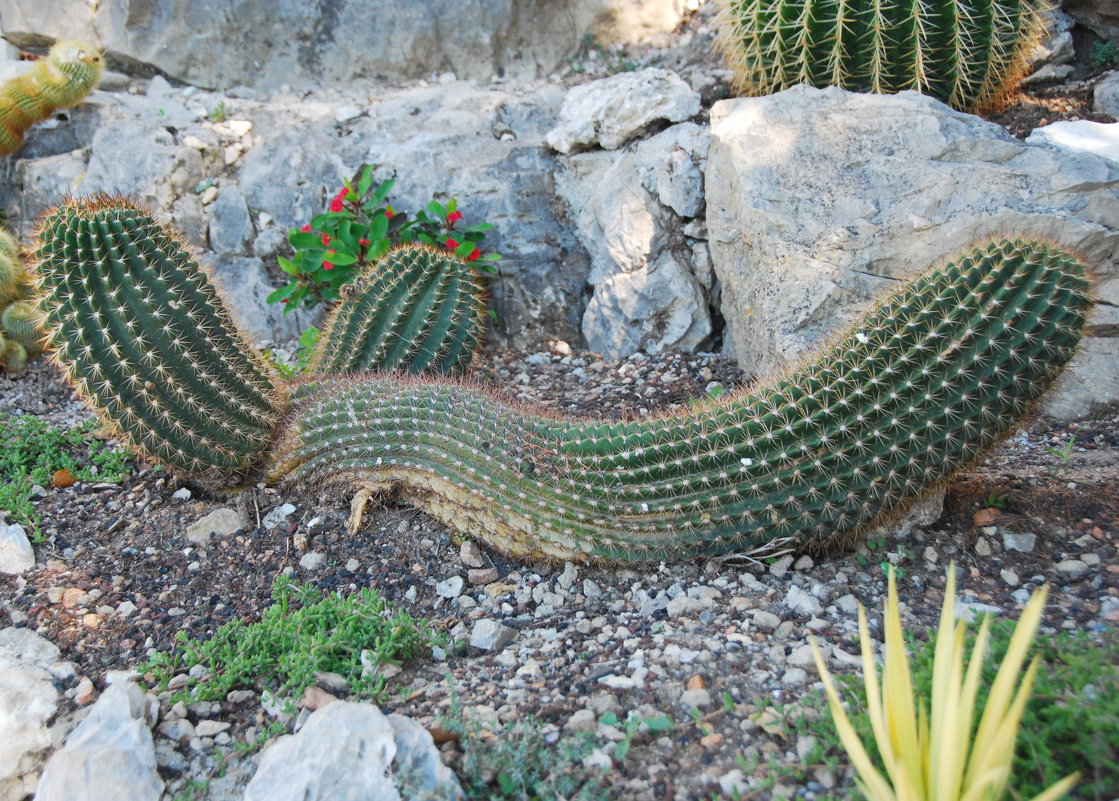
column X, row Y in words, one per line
column 327, row 265
column 474, row 255
column 363, row 241
column 390, row 212
column 336, row 204
column 454, row 217
column 306, row 228
column 451, row 243
column 285, row 300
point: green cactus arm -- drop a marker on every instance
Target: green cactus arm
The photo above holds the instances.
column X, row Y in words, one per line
column 141, row 332
column 19, row 323
column 417, row 310
column 70, row 71
column 914, row 393
column 969, row 53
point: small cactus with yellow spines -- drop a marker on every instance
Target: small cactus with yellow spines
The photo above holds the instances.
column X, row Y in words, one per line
column 19, row 335
column 70, row 71
column 915, row 392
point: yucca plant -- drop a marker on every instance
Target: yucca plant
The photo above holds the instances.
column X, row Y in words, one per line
column 969, row 53
column 933, row 749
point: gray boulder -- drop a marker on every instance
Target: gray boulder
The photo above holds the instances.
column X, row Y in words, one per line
column 1099, row 16
column 337, row 41
column 28, row 701
column 820, row 199
column 16, row 553
column 1105, row 95
column 352, row 752
column 631, row 209
column 110, row 756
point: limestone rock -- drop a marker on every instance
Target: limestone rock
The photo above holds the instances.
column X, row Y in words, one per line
column 897, row 184
column 1099, row 16
column 1079, row 136
column 302, row 44
column 110, row 755
column 648, row 295
column 28, row 700
column 1105, row 95
column 350, row 751
column 16, row 553
column 610, row 111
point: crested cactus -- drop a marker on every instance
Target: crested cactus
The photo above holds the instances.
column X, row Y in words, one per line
column 70, row 71
column 969, row 53
column 914, row 393
column 928, row 379
column 417, row 310
column 141, row 332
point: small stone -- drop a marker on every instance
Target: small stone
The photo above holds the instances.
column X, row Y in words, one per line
column 222, row 522
column 278, row 516
column 489, row 635
column 332, row 682
column 968, row 612
column 450, row 588
column 179, row 730
column 1023, row 543
column 126, row 609
column 471, row 554
column 931, row 555
column 617, row 682
column 803, row 657
column 16, row 553
column 982, row 547
column 712, row 740
column 1010, row 577
column 699, row 698
column 567, row 578
column 208, row 728
column 316, row 698
column 583, row 720
column 682, row 605
column 802, row 603
column 781, row 566
column 353, row 565
column 181, row 494
column 695, row 683
column 733, row 783
column 804, row 563
column 478, row 576
column 84, row 692
column 591, row 589
column 73, row 597
column 312, row 560
column 847, row 604
column 766, row 621
column 794, row 676
column 805, row 745
column 985, row 517
column 1072, row 569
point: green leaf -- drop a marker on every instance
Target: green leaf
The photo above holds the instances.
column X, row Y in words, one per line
column 610, row 719
column 288, row 267
column 436, row 209
column 305, row 240
column 283, row 293
column 658, row 724
column 365, row 181
column 340, row 258
column 378, row 228
column 382, row 191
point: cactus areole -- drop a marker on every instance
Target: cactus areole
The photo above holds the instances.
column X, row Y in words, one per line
column 912, row 394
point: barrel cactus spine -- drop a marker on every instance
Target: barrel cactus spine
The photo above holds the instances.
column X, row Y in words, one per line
column 969, row 53
column 70, row 71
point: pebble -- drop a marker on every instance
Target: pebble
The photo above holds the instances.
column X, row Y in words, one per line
column 84, row 692
column 802, row 603
column 450, row 588
column 582, row 720
column 766, row 621
column 471, row 554
column 1010, row 577
column 312, row 560
column 1072, row 569
column 489, row 635
column 278, row 516
column 487, row 575
column 699, row 697
column 1023, row 543
column 982, row 546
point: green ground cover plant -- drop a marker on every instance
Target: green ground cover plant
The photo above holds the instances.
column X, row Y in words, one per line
column 34, row 450
column 300, row 634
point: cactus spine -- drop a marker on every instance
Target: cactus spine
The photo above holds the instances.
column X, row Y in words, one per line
column 926, row 381
column 70, row 71
column 417, row 310
column 969, row 53
column 141, row 332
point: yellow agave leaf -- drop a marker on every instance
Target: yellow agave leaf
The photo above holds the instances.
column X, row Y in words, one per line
column 872, row 783
column 897, row 694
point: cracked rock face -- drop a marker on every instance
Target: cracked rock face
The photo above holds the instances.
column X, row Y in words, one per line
column 820, row 199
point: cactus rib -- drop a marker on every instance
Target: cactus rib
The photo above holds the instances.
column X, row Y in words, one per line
column 417, row 310
column 70, row 71
column 969, row 53
column 142, row 333
column 930, row 378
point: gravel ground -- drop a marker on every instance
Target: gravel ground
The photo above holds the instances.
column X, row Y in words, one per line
column 118, row 577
